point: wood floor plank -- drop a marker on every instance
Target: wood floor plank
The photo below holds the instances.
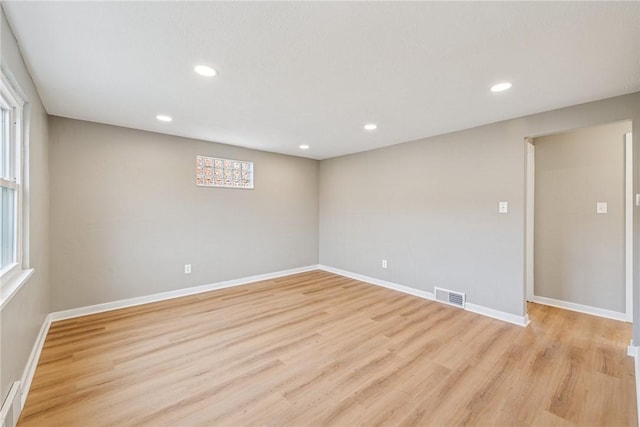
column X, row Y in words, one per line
column 320, row 349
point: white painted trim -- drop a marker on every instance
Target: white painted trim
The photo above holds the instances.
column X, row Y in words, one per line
column 11, row 405
column 497, row 314
column 632, row 350
column 529, row 220
column 580, row 308
column 385, row 284
column 474, row 308
column 628, row 216
column 32, row 362
column 12, row 284
column 99, row 308
column 627, row 316
column 12, row 98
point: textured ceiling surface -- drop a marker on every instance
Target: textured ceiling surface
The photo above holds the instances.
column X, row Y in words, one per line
column 314, row 73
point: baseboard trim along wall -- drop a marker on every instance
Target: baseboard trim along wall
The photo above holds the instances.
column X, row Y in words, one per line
column 11, row 407
column 497, row 314
column 131, row 302
column 32, row 362
column 474, row 308
column 586, row 309
column 385, row 284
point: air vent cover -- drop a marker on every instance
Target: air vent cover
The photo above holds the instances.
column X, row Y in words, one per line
column 450, row 297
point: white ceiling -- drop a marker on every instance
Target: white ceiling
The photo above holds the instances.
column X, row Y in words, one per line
column 315, row 72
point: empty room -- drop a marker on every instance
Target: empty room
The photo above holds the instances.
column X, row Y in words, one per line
column 319, row 213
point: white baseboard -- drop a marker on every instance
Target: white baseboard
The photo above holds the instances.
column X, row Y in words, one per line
column 390, row 285
column 485, row 311
column 634, row 351
column 11, row 407
column 115, row 305
column 32, row 362
column 580, row 308
column 497, row 314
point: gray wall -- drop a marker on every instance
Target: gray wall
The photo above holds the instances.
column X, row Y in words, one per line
column 22, row 317
column 579, row 254
column 126, row 214
column 431, row 206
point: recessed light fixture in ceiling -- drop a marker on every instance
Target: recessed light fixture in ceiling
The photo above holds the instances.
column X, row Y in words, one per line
column 501, row 87
column 205, row 70
column 164, row 118
column 370, row 126
column 304, row 147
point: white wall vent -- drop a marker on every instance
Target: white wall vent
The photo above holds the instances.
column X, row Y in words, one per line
column 10, row 411
column 449, row 297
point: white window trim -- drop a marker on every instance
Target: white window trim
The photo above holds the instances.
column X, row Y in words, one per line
column 12, row 285
column 13, row 276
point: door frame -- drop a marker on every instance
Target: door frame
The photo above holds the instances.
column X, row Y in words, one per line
column 628, row 228
column 529, row 216
column 530, row 229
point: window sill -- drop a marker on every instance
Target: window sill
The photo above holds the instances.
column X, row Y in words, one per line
column 12, row 284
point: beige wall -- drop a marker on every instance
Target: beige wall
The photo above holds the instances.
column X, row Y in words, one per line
column 127, row 216
column 579, row 254
column 430, row 207
column 22, row 317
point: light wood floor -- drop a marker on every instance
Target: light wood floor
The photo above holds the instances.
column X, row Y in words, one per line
column 320, row 349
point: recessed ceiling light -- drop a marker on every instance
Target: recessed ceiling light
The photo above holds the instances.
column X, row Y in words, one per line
column 500, row 87
column 304, row 147
column 370, row 126
column 206, row 71
column 164, row 118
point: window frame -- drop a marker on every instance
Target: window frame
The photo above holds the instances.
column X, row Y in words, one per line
column 15, row 104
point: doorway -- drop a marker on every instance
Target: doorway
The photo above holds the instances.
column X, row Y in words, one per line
column 579, row 220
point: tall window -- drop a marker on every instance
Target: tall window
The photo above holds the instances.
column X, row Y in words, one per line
column 11, row 106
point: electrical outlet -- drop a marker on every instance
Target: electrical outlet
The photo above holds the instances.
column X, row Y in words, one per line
column 601, row 207
column 187, row 269
column 384, row 263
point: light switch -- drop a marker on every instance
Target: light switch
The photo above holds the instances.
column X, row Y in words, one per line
column 637, row 199
column 601, row 207
column 503, row 207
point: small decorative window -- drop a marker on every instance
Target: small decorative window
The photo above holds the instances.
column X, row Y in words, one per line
column 224, row 173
